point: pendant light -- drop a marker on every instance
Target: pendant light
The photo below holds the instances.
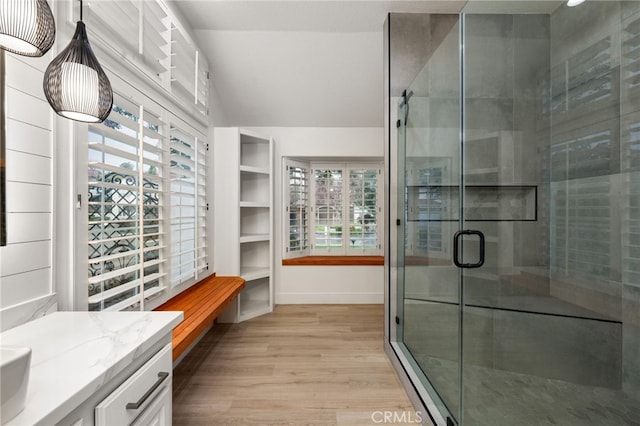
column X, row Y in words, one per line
column 27, row 27
column 75, row 84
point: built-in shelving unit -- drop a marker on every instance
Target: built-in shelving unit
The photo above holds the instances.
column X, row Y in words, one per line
column 244, row 218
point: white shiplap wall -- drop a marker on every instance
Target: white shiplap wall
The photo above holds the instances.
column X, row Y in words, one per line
column 26, row 288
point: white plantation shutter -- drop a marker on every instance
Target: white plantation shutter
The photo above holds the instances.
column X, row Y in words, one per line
column 139, row 29
column 126, row 224
column 328, row 209
column 155, row 47
column 365, row 209
column 297, row 220
column 188, row 206
column 151, row 39
column 147, row 170
column 202, row 84
column 114, row 20
column 202, row 206
column 154, row 145
column 189, row 80
column 183, row 67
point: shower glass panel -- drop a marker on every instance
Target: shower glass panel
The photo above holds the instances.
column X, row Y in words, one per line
column 543, row 318
column 524, row 127
column 429, row 149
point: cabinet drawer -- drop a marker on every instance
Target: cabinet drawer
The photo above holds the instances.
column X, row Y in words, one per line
column 158, row 413
column 132, row 397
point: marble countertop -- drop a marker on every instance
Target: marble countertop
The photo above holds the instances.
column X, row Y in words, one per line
column 75, row 353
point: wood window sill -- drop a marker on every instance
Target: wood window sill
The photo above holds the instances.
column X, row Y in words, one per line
column 335, row 261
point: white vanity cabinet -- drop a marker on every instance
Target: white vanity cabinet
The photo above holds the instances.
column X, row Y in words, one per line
column 144, row 395
column 138, row 395
column 97, row 368
column 158, row 413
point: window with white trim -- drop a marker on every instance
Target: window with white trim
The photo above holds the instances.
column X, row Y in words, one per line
column 332, row 208
column 126, row 224
column 147, row 206
column 147, row 163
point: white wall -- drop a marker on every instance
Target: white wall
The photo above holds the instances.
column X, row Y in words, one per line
column 294, row 78
column 26, row 284
column 322, row 284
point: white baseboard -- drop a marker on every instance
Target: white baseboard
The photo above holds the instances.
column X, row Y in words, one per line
column 329, row 298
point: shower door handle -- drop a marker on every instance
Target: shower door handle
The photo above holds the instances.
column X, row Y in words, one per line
column 456, row 244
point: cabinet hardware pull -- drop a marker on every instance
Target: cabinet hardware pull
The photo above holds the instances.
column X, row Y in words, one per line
column 135, row 405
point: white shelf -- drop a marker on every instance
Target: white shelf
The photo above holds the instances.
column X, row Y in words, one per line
column 253, row 309
column 254, row 151
column 250, row 273
column 254, row 204
column 257, row 170
column 254, row 221
column 255, row 187
column 257, row 297
column 251, row 238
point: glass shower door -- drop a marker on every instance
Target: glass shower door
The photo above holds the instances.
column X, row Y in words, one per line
column 506, row 312
column 527, row 137
column 429, row 157
column 544, row 327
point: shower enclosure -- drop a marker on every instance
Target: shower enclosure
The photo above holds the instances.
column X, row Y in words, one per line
column 514, row 267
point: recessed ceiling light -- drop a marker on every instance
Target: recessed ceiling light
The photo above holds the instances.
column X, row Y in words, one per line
column 572, row 3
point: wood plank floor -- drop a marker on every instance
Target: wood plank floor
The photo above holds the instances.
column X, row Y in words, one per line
column 300, row 365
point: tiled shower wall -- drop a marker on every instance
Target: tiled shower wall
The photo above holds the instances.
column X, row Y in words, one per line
column 594, row 167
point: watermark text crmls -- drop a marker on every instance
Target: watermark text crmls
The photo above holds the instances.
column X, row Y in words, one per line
column 396, row 417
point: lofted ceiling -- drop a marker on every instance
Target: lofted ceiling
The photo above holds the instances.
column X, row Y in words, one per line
column 297, row 63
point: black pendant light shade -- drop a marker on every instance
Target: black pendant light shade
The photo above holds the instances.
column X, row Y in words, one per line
column 75, row 84
column 27, row 27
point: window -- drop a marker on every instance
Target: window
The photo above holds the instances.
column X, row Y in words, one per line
column 364, row 209
column 125, row 223
column 146, row 208
column 333, row 209
column 297, row 208
column 147, row 163
column 328, row 207
column 188, row 205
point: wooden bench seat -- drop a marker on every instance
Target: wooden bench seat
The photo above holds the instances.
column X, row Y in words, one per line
column 201, row 304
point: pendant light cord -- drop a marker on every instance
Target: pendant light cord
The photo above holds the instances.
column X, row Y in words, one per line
column 81, row 10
